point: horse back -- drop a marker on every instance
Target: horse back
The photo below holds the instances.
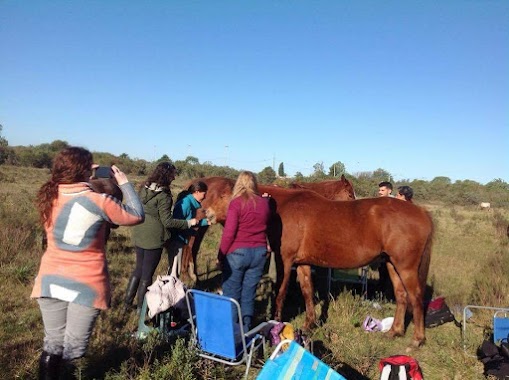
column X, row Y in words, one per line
column 351, row 234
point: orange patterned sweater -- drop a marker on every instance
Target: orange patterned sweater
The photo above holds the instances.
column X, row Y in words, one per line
column 74, row 266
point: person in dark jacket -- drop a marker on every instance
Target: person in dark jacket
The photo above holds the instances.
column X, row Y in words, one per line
column 151, row 236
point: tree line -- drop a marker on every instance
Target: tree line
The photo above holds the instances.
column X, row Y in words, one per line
column 439, row 189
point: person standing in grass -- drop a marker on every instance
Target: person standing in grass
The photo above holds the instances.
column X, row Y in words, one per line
column 243, row 248
column 186, row 208
column 152, row 236
column 384, row 280
column 72, row 285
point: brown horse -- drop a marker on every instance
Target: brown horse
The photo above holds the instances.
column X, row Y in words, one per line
column 335, row 190
column 341, row 189
column 307, row 229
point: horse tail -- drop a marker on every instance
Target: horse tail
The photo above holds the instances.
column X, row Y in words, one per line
column 426, row 257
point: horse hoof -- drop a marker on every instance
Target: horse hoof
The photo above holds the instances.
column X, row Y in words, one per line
column 416, row 344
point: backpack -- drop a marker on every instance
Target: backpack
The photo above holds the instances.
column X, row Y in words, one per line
column 399, row 367
column 438, row 313
column 495, row 359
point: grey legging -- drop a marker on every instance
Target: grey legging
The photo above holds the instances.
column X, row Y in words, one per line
column 67, row 327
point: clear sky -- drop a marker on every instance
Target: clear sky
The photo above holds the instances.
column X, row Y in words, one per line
column 418, row 88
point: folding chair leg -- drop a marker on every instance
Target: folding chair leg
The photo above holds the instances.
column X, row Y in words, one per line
column 250, row 357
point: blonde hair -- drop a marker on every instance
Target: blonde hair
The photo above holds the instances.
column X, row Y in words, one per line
column 246, row 186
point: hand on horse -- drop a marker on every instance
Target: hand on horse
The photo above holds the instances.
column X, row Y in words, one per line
column 200, row 214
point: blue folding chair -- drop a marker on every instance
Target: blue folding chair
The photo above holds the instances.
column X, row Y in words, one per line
column 501, row 326
column 296, row 363
column 216, row 331
column 500, row 322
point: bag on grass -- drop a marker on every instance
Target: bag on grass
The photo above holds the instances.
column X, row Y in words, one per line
column 494, row 359
column 438, row 313
column 399, row 367
column 372, row 324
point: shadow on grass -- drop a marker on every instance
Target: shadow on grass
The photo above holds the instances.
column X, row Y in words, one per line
column 321, row 351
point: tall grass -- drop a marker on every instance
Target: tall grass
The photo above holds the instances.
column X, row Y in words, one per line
column 469, row 265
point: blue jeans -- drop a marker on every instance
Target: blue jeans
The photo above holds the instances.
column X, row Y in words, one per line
column 242, row 270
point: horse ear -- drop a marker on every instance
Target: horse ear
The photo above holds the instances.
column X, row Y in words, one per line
column 343, row 178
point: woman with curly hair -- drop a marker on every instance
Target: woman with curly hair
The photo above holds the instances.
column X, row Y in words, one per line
column 72, row 285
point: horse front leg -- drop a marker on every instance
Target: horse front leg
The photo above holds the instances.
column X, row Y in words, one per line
column 306, row 286
column 398, row 326
column 283, row 288
column 186, row 258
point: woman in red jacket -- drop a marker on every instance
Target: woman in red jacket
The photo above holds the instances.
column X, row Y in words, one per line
column 243, row 249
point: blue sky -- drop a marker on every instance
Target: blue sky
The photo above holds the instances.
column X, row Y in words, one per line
column 418, row 88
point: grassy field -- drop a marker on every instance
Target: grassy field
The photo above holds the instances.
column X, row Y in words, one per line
column 469, row 265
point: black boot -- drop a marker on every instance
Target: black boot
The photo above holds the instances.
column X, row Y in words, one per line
column 49, row 366
column 132, row 287
column 142, row 289
column 69, row 370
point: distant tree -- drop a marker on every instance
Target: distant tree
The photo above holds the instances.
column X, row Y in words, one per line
column 191, row 160
column 164, row 158
column 4, row 147
column 41, row 159
column 441, row 181
column 380, row 175
column 267, row 175
column 124, row 156
column 58, row 145
column 336, row 169
column 281, row 170
column 498, row 184
column 299, row 176
column 319, row 170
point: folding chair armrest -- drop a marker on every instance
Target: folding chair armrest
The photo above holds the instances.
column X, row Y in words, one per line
column 279, row 346
column 257, row 329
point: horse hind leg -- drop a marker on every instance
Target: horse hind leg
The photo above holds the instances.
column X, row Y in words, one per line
column 306, row 286
column 408, row 292
column 398, row 326
column 415, row 298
